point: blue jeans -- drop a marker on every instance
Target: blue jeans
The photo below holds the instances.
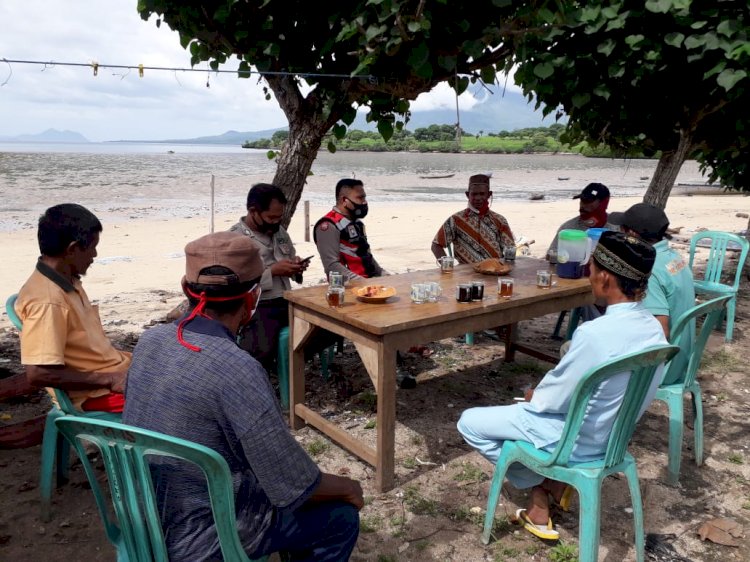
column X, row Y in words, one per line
column 316, row 532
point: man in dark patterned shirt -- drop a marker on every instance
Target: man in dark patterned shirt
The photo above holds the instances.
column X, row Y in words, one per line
column 476, row 232
column 189, row 379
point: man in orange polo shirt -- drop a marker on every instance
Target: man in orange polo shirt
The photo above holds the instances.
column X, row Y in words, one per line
column 63, row 344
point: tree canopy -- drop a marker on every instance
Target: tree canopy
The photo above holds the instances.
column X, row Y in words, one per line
column 666, row 76
column 322, row 60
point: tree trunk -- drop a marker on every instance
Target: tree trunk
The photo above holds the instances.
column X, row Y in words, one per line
column 308, row 124
column 666, row 171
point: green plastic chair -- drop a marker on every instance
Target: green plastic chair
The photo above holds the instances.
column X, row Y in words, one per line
column 136, row 531
column 711, row 282
column 282, row 365
column 587, row 477
column 55, row 448
column 673, row 393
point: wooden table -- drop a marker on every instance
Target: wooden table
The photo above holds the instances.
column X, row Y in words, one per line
column 378, row 330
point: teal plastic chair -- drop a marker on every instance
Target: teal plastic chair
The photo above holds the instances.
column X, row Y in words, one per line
column 55, row 449
column 587, row 477
column 673, row 394
column 717, row 254
column 136, row 531
column 282, row 365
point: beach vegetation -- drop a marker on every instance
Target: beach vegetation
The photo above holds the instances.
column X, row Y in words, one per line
column 664, row 78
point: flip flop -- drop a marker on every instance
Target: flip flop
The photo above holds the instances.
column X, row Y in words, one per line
column 544, row 532
column 566, row 498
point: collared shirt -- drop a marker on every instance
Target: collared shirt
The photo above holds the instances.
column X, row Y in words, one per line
column 577, row 224
column 61, row 327
column 475, row 237
column 624, row 328
column 219, row 397
column 272, row 250
column 671, row 293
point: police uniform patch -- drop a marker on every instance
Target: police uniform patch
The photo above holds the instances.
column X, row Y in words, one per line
column 324, row 225
column 352, row 231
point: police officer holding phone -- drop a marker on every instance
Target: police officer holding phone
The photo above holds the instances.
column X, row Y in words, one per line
column 265, row 208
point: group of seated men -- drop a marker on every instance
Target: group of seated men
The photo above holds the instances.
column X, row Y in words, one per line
column 190, row 379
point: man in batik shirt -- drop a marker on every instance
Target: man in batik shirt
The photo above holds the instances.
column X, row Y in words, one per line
column 476, row 233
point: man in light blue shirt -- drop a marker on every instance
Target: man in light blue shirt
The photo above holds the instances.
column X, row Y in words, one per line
column 619, row 275
column 671, row 291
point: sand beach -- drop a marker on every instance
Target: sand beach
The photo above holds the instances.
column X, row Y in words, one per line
column 435, row 510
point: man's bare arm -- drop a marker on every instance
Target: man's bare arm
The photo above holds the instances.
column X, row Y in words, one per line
column 664, row 321
column 334, row 487
column 64, row 378
column 437, row 250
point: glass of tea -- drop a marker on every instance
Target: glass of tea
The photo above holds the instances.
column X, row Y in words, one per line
column 505, row 287
column 477, row 290
column 335, row 297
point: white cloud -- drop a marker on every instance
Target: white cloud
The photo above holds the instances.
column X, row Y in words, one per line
column 118, row 104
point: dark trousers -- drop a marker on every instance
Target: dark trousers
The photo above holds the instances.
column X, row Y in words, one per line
column 316, row 532
column 260, row 337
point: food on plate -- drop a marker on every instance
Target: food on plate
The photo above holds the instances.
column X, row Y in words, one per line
column 372, row 290
column 492, row 266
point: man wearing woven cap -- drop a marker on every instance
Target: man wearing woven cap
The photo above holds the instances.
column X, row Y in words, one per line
column 191, row 380
column 670, row 288
column 592, row 212
column 476, row 233
column 620, row 269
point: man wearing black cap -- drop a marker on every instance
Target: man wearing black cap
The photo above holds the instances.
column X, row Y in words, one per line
column 670, row 288
column 190, row 380
column 476, row 232
column 592, row 212
column 620, row 268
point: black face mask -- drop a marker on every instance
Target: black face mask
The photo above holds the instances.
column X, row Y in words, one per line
column 267, row 227
column 360, row 209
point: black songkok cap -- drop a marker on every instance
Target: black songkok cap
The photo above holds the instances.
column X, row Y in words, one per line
column 647, row 220
column 624, row 255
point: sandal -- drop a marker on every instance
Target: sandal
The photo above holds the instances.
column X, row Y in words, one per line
column 544, row 532
column 566, row 498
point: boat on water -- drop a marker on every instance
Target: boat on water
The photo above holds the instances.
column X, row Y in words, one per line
column 437, row 176
column 563, row 178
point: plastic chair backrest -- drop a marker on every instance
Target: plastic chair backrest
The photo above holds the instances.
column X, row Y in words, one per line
column 125, row 451
column 10, row 309
column 642, row 366
column 712, row 310
column 717, row 254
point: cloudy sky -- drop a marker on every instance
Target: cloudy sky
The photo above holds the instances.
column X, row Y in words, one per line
column 118, row 104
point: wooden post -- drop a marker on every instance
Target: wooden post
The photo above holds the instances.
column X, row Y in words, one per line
column 211, row 223
column 307, row 221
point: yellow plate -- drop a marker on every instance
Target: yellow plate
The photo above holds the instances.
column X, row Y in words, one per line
column 377, row 293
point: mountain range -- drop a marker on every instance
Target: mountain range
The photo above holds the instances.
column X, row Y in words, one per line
column 496, row 112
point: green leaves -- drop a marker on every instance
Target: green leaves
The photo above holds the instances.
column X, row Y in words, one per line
column 544, row 70
column 633, row 40
column 606, row 47
column 729, row 78
column 385, row 128
column 674, row 39
column 339, row 131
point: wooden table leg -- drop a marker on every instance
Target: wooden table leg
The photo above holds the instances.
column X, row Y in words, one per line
column 510, row 347
column 298, row 334
column 386, row 418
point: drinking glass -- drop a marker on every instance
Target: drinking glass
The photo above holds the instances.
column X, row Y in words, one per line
column 335, row 297
column 543, row 279
column 505, row 287
column 477, row 290
column 434, row 290
column 509, row 253
column 446, row 264
column 336, row 279
column 463, row 292
column 419, row 293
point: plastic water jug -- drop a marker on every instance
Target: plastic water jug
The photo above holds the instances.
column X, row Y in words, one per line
column 573, row 250
column 593, row 234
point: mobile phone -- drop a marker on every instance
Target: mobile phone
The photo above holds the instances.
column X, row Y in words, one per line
column 308, row 258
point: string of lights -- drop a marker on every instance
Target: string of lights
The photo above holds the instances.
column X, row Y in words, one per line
column 141, row 68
